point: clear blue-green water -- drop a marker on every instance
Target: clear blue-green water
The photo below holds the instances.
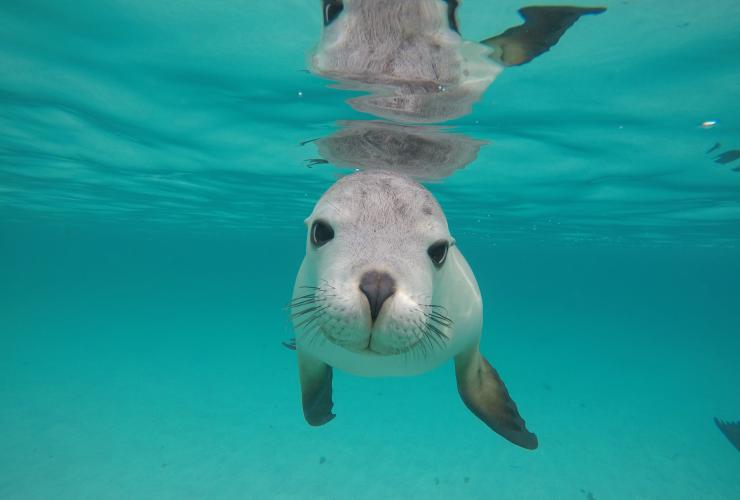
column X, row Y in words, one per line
column 152, row 196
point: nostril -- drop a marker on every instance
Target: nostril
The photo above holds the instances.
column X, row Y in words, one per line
column 377, row 287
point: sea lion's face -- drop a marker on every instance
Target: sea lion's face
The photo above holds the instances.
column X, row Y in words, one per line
column 388, row 40
column 377, row 248
column 407, row 55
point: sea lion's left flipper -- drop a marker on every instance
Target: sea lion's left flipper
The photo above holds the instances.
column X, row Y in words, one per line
column 731, row 430
column 542, row 28
column 316, row 377
column 485, row 394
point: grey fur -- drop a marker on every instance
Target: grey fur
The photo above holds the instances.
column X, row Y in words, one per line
column 383, row 222
column 404, row 53
column 422, row 153
column 385, row 200
column 416, row 66
column 378, row 41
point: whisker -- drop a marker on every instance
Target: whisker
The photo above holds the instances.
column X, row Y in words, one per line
column 313, row 334
column 317, row 295
column 311, row 327
column 435, row 306
column 320, row 311
column 303, row 303
column 434, row 338
column 328, row 284
column 436, row 331
column 302, row 297
column 423, row 340
column 308, row 310
column 440, row 320
column 434, row 310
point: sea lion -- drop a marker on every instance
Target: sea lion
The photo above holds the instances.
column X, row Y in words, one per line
column 411, row 58
column 384, row 291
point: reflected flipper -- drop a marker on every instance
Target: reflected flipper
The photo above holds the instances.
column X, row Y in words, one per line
column 731, row 430
column 485, row 394
column 542, row 28
column 316, row 378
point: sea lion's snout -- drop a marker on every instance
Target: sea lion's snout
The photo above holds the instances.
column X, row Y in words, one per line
column 377, row 287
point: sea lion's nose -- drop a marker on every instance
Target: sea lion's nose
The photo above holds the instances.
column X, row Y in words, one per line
column 377, row 287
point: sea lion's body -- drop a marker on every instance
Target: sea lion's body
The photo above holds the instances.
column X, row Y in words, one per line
column 384, row 290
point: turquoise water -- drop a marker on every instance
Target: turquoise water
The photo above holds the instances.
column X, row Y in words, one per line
column 152, row 196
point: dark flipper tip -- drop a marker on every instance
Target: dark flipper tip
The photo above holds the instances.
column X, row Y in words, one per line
column 316, row 387
column 542, row 28
column 485, row 394
column 731, row 430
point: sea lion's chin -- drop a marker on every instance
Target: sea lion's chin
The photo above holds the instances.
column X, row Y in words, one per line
column 375, row 349
column 380, row 340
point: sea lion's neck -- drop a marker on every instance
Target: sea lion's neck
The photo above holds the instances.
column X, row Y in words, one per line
column 395, row 18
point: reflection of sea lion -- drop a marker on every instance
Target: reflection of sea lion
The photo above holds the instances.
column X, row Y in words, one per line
column 422, row 153
column 411, row 57
column 384, row 290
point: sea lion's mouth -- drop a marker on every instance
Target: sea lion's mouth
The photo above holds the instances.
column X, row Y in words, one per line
column 379, row 340
column 412, row 326
column 368, row 349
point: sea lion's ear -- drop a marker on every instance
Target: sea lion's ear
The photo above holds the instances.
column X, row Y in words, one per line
column 542, row 28
column 485, row 394
column 316, row 379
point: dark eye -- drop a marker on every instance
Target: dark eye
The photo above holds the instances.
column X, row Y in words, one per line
column 321, row 233
column 438, row 252
column 451, row 17
column 332, row 8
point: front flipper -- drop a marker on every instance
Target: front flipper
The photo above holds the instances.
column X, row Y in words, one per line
column 485, row 394
column 316, row 379
column 542, row 28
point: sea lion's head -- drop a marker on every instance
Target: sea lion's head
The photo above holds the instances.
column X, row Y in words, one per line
column 376, row 255
column 406, row 54
column 377, row 41
column 422, row 153
column 410, row 57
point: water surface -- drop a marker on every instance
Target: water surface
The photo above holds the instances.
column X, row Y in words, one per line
column 152, row 196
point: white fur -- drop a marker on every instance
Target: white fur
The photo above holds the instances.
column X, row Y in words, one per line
column 384, row 222
column 419, row 152
column 404, row 53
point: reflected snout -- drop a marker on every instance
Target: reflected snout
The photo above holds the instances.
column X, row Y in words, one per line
column 377, row 287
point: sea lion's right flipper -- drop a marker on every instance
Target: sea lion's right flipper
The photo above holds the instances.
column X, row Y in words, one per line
column 316, row 377
column 542, row 28
column 485, row 394
column 731, row 430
